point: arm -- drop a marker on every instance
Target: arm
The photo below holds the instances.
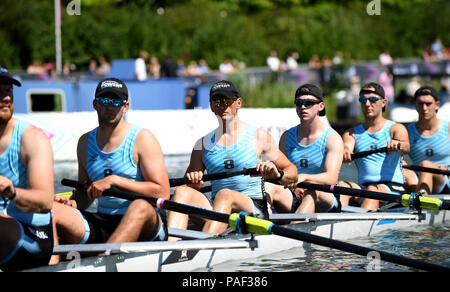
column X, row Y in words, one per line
column 273, row 159
column 196, row 166
column 149, row 158
column 349, row 144
column 400, row 139
column 37, row 155
column 79, row 198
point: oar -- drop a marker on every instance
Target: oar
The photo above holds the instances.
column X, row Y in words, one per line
column 174, row 182
column 406, row 200
column 369, row 152
column 427, row 169
column 264, row 227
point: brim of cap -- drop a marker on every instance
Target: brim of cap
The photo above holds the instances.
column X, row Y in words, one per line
column 9, row 80
column 108, row 91
column 223, row 93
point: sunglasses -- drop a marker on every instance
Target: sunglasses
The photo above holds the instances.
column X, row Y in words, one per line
column 371, row 99
column 116, row 102
column 227, row 101
column 306, row 102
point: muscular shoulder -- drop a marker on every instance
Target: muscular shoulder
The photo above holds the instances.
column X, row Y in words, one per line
column 35, row 143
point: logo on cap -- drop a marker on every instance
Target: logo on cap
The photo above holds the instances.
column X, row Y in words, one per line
column 111, row 83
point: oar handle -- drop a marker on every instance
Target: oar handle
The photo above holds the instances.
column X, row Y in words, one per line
column 174, row 182
column 427, row 169
column 369, row 152
column 425, row 202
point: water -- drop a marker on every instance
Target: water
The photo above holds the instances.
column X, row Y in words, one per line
column 431, row 244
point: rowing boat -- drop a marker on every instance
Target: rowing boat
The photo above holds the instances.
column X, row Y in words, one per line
column 201, row 251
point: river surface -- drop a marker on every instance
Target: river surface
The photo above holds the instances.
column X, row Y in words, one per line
column 431, row 244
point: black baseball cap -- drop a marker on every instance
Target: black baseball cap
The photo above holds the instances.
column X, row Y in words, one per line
column 310, row 89
column 6, row 77
column 426, row 90
column 112, row 86
column 224, row 88
column 377, row 89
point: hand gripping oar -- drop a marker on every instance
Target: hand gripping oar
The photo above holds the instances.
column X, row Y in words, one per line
column 427, row 169
column 174, row 182
column 264, row 227
column 406, row 200
column 369, row 152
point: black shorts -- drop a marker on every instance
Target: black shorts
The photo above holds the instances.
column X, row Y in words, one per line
column 102, row 226
column 33, row 250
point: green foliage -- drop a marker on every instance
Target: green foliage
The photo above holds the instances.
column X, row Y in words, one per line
column 245, row 30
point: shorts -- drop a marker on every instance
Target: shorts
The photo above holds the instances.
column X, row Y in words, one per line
column 34, row 249
column 445, row 188
column 334, row 208
column 392, row 187
column 259, row 208
column 100, row 227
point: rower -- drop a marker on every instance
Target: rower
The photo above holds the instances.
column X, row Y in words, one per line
column 316, row 150
column 121, row 155
column 380, row 172
column 430, row 145
column 232, row 146
column 26, row 187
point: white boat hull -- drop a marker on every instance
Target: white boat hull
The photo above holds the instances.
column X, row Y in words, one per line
column 201, row 256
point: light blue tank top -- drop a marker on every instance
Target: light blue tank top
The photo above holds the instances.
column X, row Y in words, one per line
column 309, row 159
column 11, row 166
column 435, row 148
column 377, row 167
column 119, row 162
column 235, row 157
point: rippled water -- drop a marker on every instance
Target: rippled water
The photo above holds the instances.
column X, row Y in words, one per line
column 431, row 244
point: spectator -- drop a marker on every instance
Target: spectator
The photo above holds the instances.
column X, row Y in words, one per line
column 386, row 78
column 226, row 67
column 202, row 67
column 154, row 68
column 192, row 69
column 273, row 62
column 338, row 58
column 36, row 68
column 443, row 95
column 385, row 58
column 412, row 86
column 92, row 67
column 168, row 68
column 438, row 48
column 314, row 62
column 140, row 67
column 181, row 69
column 104, row 67
column 292, row 61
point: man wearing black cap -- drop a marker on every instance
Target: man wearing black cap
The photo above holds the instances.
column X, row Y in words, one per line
column 380, row 172
column 430, row 144
column 232, row 146
column 26, row 187
column 316, row 149
column 115, row 154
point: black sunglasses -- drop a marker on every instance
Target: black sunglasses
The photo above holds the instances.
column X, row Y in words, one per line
column 306, row 102
column 372, row 99
column 227, row 101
